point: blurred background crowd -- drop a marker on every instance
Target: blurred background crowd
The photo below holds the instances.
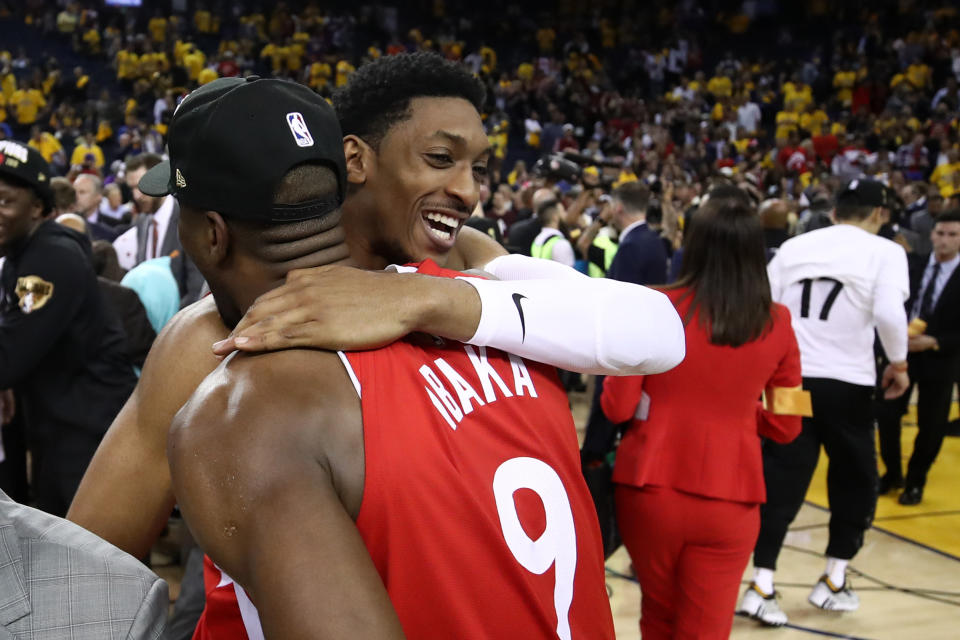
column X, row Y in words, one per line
column 787, row 102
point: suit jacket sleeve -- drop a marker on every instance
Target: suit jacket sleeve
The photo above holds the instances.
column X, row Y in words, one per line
column 151, row 618
column 620, row 397
column 948, row 333
column 782, row 428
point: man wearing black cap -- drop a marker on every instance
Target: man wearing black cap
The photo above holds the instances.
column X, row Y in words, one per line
column 269, row 204
column 841, row 283
column 60, row 347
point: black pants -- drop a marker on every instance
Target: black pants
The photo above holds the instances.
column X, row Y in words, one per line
column 13, row 469
column 843, row 424
column 933, row 409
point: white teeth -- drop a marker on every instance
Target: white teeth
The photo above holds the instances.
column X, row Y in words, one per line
column 441, row 235
column 449, row 221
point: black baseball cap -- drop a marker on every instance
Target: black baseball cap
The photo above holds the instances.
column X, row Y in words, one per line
column 232, row 140
column 27, row 166
column 864, row 192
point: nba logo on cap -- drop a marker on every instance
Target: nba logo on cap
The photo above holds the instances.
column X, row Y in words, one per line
column 298, row 127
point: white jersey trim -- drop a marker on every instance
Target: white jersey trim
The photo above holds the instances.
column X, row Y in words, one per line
column 350, row 372
column 248, row 612
column 251, row 619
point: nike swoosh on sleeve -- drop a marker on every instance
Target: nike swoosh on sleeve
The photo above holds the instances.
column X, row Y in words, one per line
column 517, row 297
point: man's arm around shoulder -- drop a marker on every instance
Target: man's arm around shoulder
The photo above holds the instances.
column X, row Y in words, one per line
column 253, row 457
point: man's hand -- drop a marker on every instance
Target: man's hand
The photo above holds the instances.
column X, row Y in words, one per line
column 606, row 212
column 7, row 406
column 922, row 343
column 895, row 380
column 342, row 308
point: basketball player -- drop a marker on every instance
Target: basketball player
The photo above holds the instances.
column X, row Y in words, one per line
column 126, row 495
column 841, row 283
column 465, row 459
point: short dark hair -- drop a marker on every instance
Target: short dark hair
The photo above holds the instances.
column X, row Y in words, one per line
column 846, row 211
column 378, row 94
column 290, row 241
column 148, row 160
column 635, row 196
column 953, row 215
column 725, row 268
column 64, row 194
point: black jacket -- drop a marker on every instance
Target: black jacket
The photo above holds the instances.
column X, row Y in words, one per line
column 943, row 323
column 136, row 325
column 61, row 344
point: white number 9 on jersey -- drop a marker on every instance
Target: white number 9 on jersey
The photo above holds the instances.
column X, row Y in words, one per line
column 557, row 545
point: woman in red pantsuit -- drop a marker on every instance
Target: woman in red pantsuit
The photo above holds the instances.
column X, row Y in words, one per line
column 688, row 474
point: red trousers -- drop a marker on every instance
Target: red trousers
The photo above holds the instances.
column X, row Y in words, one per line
column 689, row 553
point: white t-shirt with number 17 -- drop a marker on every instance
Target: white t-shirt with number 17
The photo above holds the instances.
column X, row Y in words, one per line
column 840, row 283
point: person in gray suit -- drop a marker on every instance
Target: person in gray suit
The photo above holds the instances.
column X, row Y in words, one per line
column 58, row 580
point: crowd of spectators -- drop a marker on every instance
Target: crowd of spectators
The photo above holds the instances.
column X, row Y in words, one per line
column 652, row 93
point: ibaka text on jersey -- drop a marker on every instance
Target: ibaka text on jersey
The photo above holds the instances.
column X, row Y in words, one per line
column 458, row 398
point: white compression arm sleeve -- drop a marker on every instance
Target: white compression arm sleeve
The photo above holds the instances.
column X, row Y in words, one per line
column 891, row 320
column 544, row 311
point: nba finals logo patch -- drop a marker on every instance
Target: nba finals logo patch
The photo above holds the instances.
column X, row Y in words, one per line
column 33, row 292
column 298, row 127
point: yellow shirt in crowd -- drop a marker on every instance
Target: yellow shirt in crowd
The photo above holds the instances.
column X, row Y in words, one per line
column 128, row 63
column 918, row 74
column 843, row 82
column 720, row 86
column 344, row 69
column 205, row 76
column 47, row 145
column 80, row 152
column 545, row 38
column 28, row 103
column 320, row 74
column 800, row 94
column 158, row 29
column 946, row 177
column 787, row 122
column 813, row 122
column 194, row 62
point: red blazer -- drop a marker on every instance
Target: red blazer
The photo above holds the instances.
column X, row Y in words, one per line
column 705, row 420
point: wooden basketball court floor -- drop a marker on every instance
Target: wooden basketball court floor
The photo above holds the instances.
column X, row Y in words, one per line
column 907, row 573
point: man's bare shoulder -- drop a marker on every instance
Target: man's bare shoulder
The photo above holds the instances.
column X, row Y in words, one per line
column 473, row 250
column 180, row 358
column 197, row 322
column 268, row 398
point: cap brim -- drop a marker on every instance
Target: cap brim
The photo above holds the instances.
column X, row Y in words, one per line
column 156, row 181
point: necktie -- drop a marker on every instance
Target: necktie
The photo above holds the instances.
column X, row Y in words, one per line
column 926, row 303
column 156, row 247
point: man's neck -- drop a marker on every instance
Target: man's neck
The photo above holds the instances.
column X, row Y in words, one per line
column 867, row 226
column 633, row 221
column 941, row 258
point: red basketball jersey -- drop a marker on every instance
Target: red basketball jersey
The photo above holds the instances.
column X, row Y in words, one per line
column 474, row 509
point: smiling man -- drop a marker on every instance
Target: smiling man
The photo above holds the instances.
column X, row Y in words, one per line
column 415, row 155
column 60, row 345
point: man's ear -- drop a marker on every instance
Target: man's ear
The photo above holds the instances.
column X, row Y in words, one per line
column 879, row 216
column 217, row 236
column 361, row 158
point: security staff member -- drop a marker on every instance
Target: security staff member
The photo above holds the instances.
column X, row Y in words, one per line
column 934, row 346
column 60, row 345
